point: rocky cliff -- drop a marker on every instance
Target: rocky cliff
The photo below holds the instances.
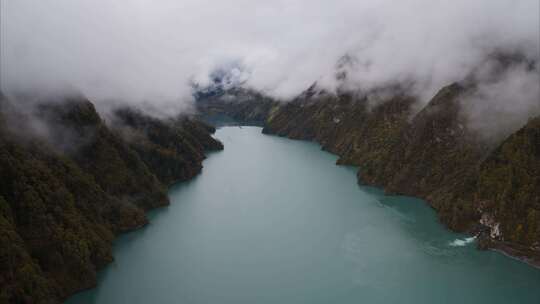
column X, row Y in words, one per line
column 69, row 183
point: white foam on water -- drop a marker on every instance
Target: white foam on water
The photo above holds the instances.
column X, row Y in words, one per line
column 462, row 242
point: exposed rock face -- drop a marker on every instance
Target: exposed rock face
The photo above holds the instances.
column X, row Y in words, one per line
column 65, row 195
column 508, row 192
column 477, row 186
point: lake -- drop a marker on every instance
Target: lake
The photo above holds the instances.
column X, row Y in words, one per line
column 275, row 221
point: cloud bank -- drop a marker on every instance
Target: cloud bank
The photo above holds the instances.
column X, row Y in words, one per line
column 145, row 51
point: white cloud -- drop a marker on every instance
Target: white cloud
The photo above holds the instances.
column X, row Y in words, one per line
column 144, row 50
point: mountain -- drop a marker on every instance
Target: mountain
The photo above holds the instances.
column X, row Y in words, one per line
column 487, row 188
column 173, row 149
column 507, row 192
column 69, row 183
column 235, row 105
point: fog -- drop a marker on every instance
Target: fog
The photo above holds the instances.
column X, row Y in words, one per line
column 150, row 52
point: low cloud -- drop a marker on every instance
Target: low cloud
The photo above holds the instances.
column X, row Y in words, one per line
column 150, row 52
column 503, row 101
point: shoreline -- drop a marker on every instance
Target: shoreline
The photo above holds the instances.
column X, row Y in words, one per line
column 534, row 264
column 499, row 249
column 505, row 250
column 135, row 229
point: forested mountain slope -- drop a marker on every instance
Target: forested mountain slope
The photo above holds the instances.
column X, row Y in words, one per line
column 485, row 187
column 69, row 183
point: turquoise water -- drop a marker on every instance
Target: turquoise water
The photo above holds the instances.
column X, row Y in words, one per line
column 271, row 220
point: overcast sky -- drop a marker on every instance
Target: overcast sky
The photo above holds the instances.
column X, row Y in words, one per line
column 148, row 50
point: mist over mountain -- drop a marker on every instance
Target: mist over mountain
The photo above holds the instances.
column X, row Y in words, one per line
column 148, row 52
column 160, row 57
column 104, row 104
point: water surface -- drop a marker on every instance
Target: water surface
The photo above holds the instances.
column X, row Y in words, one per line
column 274, row 221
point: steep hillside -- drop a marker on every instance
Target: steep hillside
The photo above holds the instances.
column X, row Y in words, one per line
column 507, row 192
column 429, row 153
column 102, row 153
column 172, row 149
column 67, row 188
column 474, row 185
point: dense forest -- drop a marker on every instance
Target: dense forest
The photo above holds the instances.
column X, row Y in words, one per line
column 70, row 182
